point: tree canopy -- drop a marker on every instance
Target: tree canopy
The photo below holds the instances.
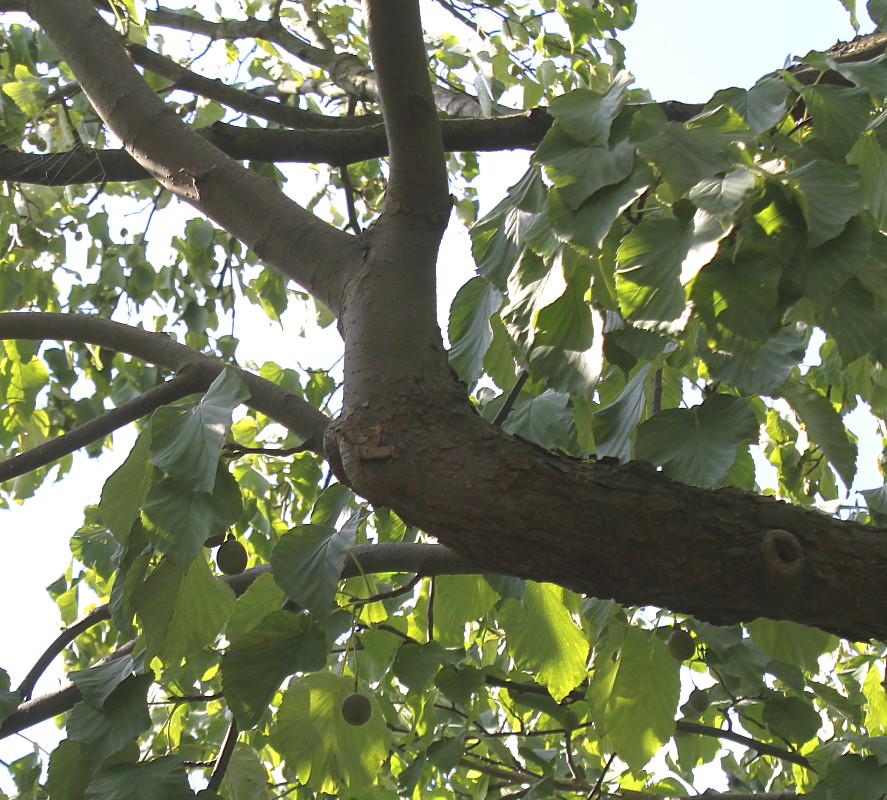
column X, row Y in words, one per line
column 532, row 559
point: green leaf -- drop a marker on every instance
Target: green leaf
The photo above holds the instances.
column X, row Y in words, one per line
column 823, row 270
column 307, row 564
column 125, row 491
column 543, row 638
column 185, row 519
column 855, row 320
column 839, row 115
column 791, row 642
column 684, row 155
column 415, row 665
column 828, row 197
column 124, row 715
column 160, row 779
column 578, row 170
column 97, row 683
column 470, row 332
column 586, row 115
column 791, row 718
column 9, row 700
column 638, row 693
column 182, row 610
column 723, row 195
column 69, row 774
column 459, row 599
column 856, row 777
column 246, row 777
column 825, row 428
column 770, row 367
column 697, row 445
column 261, row 598
column 762, row 106
column 615, row 423
column 878, row 12
column 648, row 272
column 545, row 420
column 588, row 225
column 257, row 662
column 325, row 752
column 187, row 440
column 871, row 159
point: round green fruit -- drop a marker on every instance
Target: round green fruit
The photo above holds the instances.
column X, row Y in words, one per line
column 356, row 709
column 681, row 645
column 231, row 557
column 698, row 701
column 571, row 721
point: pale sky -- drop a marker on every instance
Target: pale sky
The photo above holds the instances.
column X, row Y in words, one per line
column 679, row 49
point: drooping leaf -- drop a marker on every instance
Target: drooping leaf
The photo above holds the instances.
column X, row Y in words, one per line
column 307, row 563
column 69, row 774
column 697, row 445
column 122, row 717
column 768, row 369
column 470, row 332
column 185, row 519
column 9, row 700
column 869, row 156
column 97, row 683
column 187, row 440
column 828, row 197
column 162, row 778
column 126, row 489
column 792, row 643
column 638, row 691
column 320, row 747
column 543, row 638
column 588, row 116
column 258, row 661
column 615, row 423
column 825, row 427
column 545, row 420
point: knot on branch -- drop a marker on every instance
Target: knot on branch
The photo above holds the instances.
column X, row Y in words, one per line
column 783, row 554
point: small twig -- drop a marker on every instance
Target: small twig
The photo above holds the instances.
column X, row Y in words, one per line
column 180, row 386
column 430, row 630
column 224, row 757
column 656, row 400
column 233, row 449
column 408, row 587
column 568, row 747
column 193, row 698
column 68, row 635
column 348, row 186
column 596, row 790
column 511, row 399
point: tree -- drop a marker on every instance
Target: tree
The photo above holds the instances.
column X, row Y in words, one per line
column 478, row 541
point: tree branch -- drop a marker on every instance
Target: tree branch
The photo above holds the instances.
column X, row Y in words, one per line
column 418, row 180
column 183, row 384
column 238, row 99
column 281, row 232
column 291, row 411
column 68, row 635
column 338, row 147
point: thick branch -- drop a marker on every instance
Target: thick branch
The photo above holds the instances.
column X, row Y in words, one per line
column 180, row 386
column 609, row 530
column 280, row 231
column 418, row 182
column 274, row 401
column 522, row 131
